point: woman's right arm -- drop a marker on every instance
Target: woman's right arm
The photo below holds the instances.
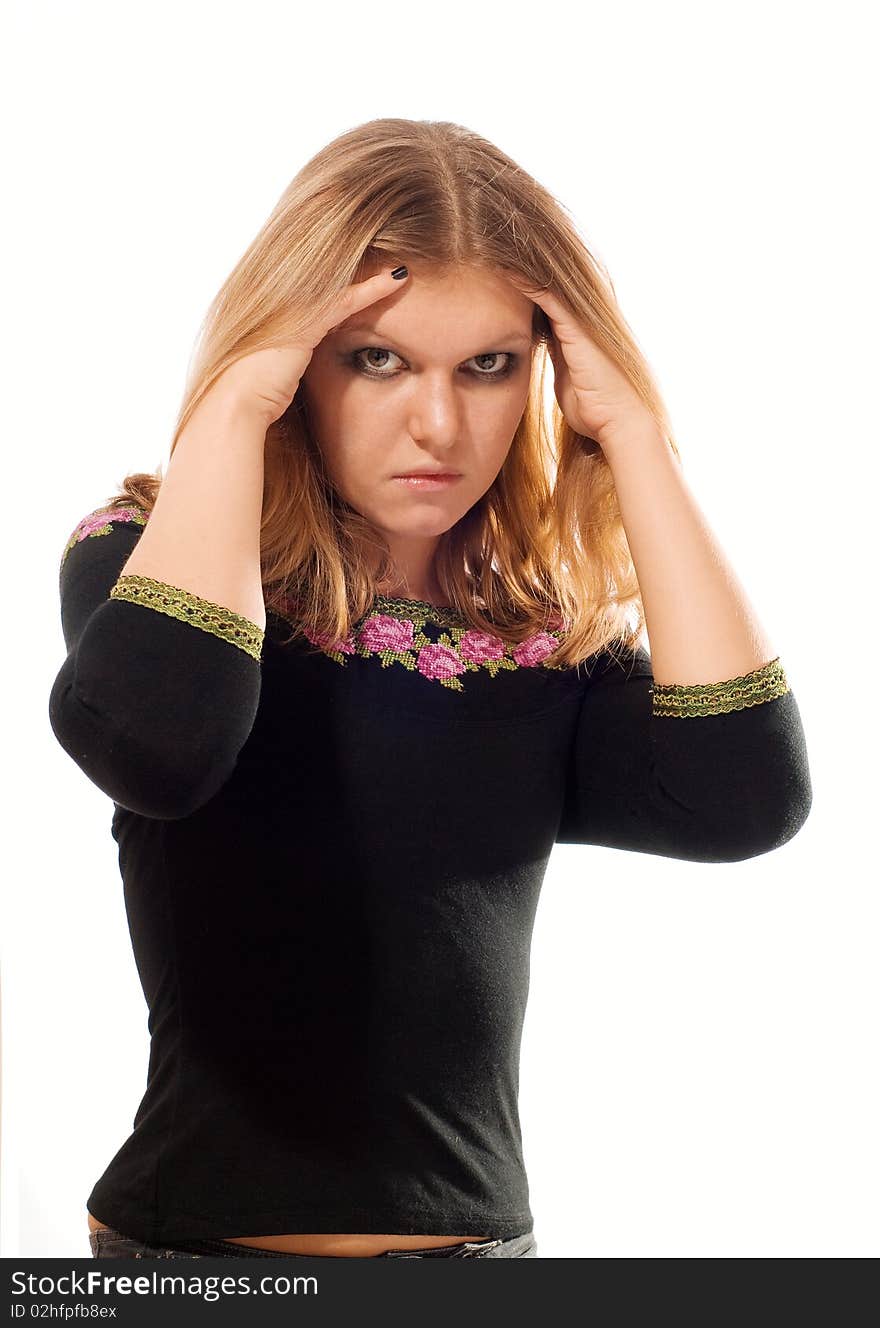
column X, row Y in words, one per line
column 163, row 619
column 161, row 683
column 163, row 615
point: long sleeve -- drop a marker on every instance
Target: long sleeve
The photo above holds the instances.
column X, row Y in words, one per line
column 713, row 773
column 160, row 688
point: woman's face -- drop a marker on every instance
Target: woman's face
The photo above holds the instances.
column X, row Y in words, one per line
column 435, row 375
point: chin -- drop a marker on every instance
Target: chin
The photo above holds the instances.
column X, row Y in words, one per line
column 425, row 529
column 432, row 515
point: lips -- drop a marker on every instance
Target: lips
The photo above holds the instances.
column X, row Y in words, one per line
column 432, row 480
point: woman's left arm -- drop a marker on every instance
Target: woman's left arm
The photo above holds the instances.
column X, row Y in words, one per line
column 696, row 751
column 700, row 624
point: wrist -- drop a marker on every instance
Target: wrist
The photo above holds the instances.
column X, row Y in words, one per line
column 624, row 443
column 228, row 403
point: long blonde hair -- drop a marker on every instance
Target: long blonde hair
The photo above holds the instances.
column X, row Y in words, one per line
column 545, row 545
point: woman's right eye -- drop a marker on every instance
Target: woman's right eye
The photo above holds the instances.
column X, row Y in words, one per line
column 370, row 350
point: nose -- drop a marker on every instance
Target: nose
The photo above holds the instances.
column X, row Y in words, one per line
column 434, row 412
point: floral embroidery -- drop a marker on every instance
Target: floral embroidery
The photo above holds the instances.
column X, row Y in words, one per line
column 688, row 700
column 394, row 631
column 100, row 522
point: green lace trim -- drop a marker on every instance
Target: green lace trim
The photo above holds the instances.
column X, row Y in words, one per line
column 688, row 700
column 444, row 614
column 191, row 608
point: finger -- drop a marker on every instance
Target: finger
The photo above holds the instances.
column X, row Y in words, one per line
column 363, row 293
column 554, row 308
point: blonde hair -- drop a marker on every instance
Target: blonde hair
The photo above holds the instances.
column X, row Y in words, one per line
column 545, row 545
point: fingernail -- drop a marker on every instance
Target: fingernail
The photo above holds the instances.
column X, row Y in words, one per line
column 398, row 273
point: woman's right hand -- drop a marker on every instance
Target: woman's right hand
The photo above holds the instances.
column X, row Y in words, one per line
column 267, row 379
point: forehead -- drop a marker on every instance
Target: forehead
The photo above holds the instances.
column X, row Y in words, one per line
column 464, row 305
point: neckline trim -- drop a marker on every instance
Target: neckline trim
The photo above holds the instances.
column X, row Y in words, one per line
column 403, row 601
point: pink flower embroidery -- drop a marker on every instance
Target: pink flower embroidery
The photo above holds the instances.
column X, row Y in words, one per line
column 97, row 520
column 382, row 632
column 394, row 637
column 438, row 662
column 480, row 646
column 322, row 639
column 536, row 648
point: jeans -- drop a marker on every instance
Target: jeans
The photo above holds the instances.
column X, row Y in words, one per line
column 108, row 1243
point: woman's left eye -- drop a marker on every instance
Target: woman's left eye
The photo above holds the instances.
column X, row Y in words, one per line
column 373, row 372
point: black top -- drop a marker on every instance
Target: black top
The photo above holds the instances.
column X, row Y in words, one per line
column 332, row 854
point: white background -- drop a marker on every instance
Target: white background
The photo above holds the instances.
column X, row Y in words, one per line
column 699, row 1067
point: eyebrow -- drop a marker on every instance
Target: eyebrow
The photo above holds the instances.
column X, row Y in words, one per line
column 516, row 336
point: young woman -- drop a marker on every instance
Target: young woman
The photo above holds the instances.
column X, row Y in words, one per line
column 350, row 669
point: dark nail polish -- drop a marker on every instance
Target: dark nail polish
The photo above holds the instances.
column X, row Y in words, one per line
column 398, row 273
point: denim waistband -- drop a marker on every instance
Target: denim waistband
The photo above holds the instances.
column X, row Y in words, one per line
column 108, row 1242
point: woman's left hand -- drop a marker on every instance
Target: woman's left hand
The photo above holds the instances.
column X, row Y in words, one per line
column 595, row 397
